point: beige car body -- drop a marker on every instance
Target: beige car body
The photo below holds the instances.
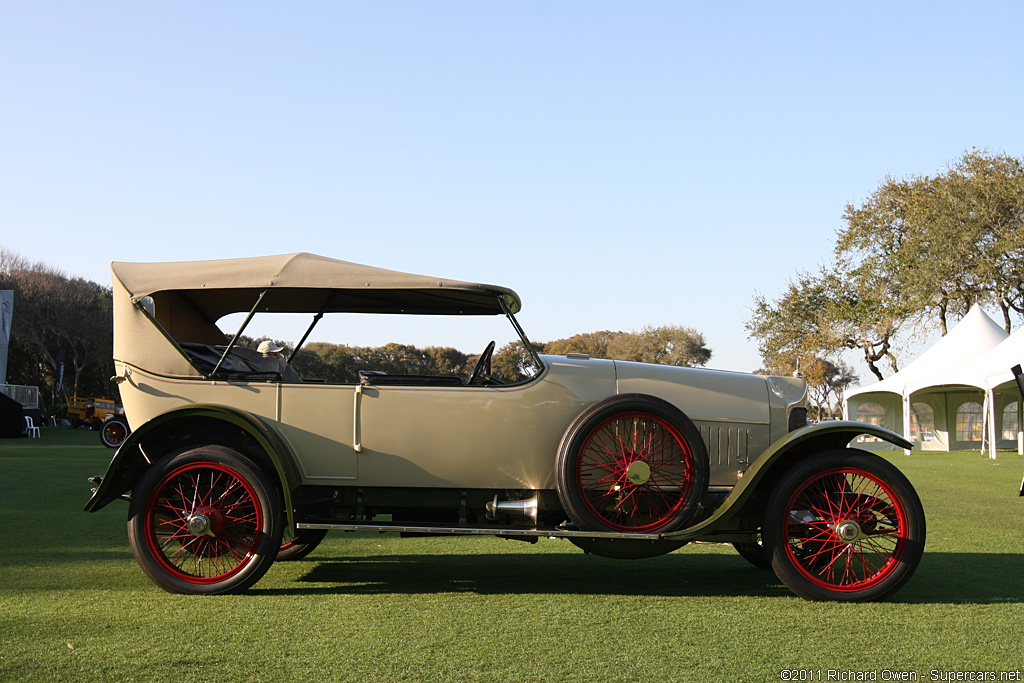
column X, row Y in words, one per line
column 439, row 455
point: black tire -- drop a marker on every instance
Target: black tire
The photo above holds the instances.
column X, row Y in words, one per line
column 626, row 548
column 633, row 464
column 755, row 554
column 205, row 521
column 114, row 431
column 844, row 525
column 297, row 544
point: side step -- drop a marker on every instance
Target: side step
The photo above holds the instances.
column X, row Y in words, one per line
column 470, row 531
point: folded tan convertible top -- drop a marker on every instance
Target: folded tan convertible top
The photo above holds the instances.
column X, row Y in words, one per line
column 220, row 287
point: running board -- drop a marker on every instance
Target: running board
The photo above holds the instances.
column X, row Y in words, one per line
column 469, row 531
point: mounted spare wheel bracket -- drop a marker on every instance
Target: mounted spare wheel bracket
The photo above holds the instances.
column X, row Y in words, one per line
column 234, row 340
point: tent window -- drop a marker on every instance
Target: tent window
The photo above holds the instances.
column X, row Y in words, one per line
column 922, row 422
column 969, row 421
column 872, row 414
column 1010, row 424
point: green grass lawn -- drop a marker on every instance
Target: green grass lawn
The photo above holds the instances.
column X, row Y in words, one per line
column 74, row 605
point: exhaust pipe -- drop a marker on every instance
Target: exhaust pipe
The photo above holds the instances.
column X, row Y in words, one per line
column 523, row 508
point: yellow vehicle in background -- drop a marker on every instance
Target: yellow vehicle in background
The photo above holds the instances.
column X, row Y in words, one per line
column 102, row 414
column 90, row 411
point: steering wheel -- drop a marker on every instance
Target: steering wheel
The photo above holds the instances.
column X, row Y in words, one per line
column 482, row 370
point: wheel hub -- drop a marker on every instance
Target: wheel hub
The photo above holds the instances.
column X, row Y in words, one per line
column 200, row 524
column 848, row 531
column 638, row 472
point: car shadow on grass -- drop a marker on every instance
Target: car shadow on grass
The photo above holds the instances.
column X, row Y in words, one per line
column 535, row 574
column 942, row 578
column 966, row 578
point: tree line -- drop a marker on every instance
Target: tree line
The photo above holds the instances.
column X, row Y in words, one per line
column 62, row 341
column 913, row 258
column 667, row 345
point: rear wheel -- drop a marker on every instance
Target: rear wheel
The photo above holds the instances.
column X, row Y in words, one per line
column 754, row 553
column 297, row 543
column 846, row 526
column 632, row 464
column 205, row 521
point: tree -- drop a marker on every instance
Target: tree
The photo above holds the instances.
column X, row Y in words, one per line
column 512, row 363
column 666, row 345
column 330, row 362
column 342, row 363
column 54, row 313
column 978, row 205
column 594, row 344
column 944, row 243
column 917, row 253
column 824, row 315
column 444, row 360
column 826, row 384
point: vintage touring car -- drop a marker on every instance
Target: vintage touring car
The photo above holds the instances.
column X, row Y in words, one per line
column 234, row 462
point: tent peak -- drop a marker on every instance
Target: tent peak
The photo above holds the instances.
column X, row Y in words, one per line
column 973, row 336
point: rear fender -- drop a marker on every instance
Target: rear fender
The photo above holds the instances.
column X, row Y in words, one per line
column 149, row 443
column 780, row 456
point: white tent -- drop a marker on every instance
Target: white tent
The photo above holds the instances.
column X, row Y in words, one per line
column 917, row 403
column 991, row 374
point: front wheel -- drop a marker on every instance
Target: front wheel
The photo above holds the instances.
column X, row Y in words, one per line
column 845, row 526
column 205, row 521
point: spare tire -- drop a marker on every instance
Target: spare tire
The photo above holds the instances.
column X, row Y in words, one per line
column 632, row 464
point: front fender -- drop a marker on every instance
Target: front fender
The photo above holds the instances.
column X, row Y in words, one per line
column 131, row 459
column 794, row 446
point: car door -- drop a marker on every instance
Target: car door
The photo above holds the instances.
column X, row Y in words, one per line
column 316, row 420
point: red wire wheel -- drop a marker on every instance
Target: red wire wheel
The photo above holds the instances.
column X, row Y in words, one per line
column 205, row 521
column 634, row 465
column 847, row 526
column 113, row 432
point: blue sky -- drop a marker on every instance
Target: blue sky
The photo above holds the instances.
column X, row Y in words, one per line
column 618, row 164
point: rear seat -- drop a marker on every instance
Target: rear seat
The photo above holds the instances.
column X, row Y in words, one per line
column 241, row 363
